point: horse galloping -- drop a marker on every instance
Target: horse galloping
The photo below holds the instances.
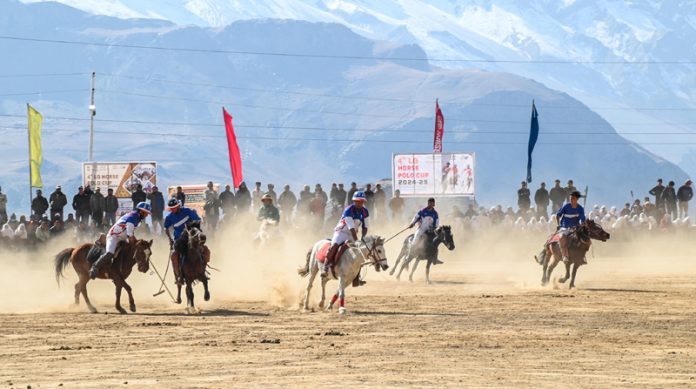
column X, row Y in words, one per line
column 579, row 242
column 428, row 251
column 127, row 256
column 193, row 268
column 369, row 251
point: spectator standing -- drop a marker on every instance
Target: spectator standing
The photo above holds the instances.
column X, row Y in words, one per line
column 557, row 196
column 396, row 205
column 542, row 200
column 333, row 192
column 110, row 207
column 97, row 203
column 271, row 192
column 669, row 198
column 351, row 192
column 180, row 195
column 256, row 195
column 684, row 195
column 320, row 191
column 157, row 204
column 227, row 202
column 317, row 208
column 569, row 189
column 80, row 204
column 369, row 197
column 306, row 197
column 138, row 196
column 212, row 206
column 341, row 196
column 39, row 205
column 287, row 202
column 3, row 207
column 380, row 201
column 57, row 202
column 523, row 198
column 657, row 192
column 242, row 199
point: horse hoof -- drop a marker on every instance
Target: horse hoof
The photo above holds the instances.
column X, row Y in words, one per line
column 571, row 286
column 122, row 311
column 320, row 305
column 342, row 310
column 93, row 310
column 206, row 296
column 132, row 308
column 178, row 300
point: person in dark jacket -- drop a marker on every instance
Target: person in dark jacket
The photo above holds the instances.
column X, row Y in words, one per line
column 341, row 195
column 669, row 198
column 227, row 202
column 57, row 202
column 351, row 192
column 369, row 196
column 287, row 202
column 657, row 192
column 542, row 199
column 80, row 204
column 523, row 198
column 110, row 207
column 557, row 196
column 157, row 204
column 242, row 199
column 97, row 202
column 684, row 195
column 180, row 195
column 138, row 196
column 39, row 205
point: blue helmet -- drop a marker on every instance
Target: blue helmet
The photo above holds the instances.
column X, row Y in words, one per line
column 143, row 206
column 359, row 196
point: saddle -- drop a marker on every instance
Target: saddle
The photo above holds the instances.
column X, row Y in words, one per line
column 555, row 238
column 324, row 251
column 99, row 248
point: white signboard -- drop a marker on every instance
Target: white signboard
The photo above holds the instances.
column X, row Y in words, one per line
column 423, row 175
column 122, row 177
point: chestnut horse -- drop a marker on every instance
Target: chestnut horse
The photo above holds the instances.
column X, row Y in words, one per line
column 127, row 256
column 579, row 242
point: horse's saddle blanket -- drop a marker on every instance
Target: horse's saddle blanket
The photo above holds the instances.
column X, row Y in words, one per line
column 99, row 249
column 555, row 238
column 324, row 251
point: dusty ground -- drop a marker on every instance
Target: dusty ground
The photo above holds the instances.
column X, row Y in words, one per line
column 481, row 324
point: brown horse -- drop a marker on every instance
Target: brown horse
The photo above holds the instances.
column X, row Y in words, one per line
column 127, row 256
column 193, row 268
column 579, row 242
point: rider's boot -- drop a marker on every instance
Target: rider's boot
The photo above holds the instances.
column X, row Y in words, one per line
column 99, row 264
column 328, row 263
column 358, row 282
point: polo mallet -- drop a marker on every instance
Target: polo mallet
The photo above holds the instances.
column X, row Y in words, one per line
column 164, row 277
column 163, row 283
column 397, row 234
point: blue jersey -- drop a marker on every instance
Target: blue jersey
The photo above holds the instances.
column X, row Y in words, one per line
column 126, row 224
column 425, row 212
column 351, row 215
column 571, row 217
column 178, row 221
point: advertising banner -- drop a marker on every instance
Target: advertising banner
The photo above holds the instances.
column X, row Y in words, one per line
column 195, row 196
column 122, row 177
column 424, row 175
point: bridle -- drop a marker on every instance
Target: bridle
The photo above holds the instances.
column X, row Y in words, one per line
column 372, row 257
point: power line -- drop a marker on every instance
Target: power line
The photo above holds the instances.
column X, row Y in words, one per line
column 344, row 57
column 43, row 92
column 42, row 75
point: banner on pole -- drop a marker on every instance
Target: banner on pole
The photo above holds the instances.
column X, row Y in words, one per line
column 35, row 121
column 423, row 175
column 439, row 128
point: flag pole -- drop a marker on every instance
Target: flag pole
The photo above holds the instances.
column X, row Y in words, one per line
column 29, row 151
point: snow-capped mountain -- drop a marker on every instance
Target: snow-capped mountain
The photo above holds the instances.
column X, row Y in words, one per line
column 299, row 121
column 650, row 101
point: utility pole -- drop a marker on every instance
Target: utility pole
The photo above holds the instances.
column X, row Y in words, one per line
column 92, row 112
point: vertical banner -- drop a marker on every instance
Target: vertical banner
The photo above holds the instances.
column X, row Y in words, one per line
column 439, row 128
column 35, row 154
column 233, row 148
column 533, row 136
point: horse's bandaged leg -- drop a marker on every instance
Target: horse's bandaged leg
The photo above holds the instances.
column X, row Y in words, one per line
column 334, row 298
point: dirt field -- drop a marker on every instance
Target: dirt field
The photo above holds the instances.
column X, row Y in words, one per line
column 483, row 323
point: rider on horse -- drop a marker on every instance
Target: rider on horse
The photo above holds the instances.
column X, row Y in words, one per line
column 124, row 229
column 354, row 216
column 427, row 220
column 569, row 217
column 268, row 211
column 178, row 219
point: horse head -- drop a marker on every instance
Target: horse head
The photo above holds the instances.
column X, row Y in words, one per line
column 142, row 255
column 376, row 252
column 444, row 235
column 195, row 237
column 595, row 231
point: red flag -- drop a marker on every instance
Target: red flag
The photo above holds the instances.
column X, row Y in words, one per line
column 439, row 129
column 235, row 157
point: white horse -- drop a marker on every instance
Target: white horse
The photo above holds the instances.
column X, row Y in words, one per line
column 269, row 233
column 369, row 251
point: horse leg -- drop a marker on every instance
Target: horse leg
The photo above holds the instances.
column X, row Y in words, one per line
column 413, row 270
column 131, row 301
column 342, row 284
column 398, row 259
column 404, row 265
column 575, row 272
column 427, row 272
column 178, row 293
column 206, row 294
column 567, row 275
column 312, row 275
column 119, row 287
column 83, row 288
column 323, row 295
column 190, row 307
column 78, row 290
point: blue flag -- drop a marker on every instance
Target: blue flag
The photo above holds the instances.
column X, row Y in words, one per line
column 533, row 136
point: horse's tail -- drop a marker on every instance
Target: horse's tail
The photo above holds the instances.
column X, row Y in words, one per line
column 303, row 271
column 61, row 262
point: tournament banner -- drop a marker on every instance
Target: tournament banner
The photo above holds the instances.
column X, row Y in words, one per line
column 122, row 177
column 195, row 196
column 442, row 175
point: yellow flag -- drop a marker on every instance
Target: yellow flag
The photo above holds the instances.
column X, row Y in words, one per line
column 35, row 154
